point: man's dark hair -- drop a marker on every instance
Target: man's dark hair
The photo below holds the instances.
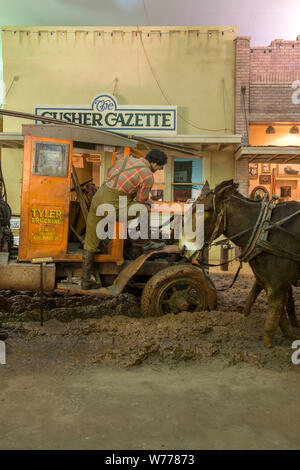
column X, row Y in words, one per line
column 157, row 156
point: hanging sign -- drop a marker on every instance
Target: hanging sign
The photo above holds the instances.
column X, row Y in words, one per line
column 105, row 113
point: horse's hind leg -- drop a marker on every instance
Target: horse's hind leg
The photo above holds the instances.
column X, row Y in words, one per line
column 290, row 308
column 252, row 296
column 285, row 327
column 276, row 304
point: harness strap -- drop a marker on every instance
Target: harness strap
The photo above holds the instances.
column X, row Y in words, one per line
column 233, row 281
column 259, row 233
column 282, row 221
column 217, row 225
column 256, row 230
column 223, row 288
column 117, row 175
column 224, row 240
column 277, row 227
column 203, row 263
column 278, row 251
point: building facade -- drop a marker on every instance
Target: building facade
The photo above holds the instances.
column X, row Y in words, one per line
column 225, row 109
column 66, row 70
column 267, row 115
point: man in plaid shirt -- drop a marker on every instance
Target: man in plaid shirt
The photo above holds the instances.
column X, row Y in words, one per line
column 136, row 178
column 129, row 177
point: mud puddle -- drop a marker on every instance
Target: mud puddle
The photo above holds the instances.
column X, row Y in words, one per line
column 89, row 330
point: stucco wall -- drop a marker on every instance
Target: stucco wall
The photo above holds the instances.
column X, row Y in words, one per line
column 222, row 167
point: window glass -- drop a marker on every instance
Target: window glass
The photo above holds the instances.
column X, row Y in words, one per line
column 50, row 159
column 188, row 174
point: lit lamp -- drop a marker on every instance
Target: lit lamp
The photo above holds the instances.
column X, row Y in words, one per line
column 270, row 130
column 294, row 130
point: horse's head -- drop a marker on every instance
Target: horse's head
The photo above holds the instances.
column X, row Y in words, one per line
column 214, row 202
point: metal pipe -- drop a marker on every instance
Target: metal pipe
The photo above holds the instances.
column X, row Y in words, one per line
column 42, row 294
column 36, row 117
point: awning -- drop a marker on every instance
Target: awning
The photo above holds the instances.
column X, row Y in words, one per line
column 94, row 138
column 199, row 143
column 268, row 154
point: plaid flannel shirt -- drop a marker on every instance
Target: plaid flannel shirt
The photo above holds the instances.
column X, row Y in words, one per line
column 138, row 181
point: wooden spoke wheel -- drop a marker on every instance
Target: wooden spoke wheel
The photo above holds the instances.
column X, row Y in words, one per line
column 177, row 288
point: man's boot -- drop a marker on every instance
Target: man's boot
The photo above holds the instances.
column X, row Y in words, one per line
column 87, row 269
column 145, row 246
column 3, row 334
column 151, row 245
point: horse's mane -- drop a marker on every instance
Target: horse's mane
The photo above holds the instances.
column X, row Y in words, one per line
column 223, row 185
column 241, row 196
column 236, row 192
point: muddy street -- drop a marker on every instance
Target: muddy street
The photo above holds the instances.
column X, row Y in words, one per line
column 198, row 380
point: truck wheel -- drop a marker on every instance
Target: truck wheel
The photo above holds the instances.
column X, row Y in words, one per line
column 177, row 288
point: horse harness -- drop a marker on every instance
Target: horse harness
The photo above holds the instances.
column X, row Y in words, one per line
column 258, row 241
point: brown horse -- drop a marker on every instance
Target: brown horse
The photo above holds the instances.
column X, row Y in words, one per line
column 227, row 212
column 257, row 288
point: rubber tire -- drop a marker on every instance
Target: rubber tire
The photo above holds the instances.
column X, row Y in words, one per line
column 150, row 291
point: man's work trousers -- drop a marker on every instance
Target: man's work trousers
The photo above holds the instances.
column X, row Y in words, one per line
column 104, row 195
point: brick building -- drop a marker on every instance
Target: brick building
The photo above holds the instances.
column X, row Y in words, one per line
column 267, row 115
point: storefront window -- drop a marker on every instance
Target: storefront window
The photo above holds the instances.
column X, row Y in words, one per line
column 50, row 159
column 187, row 178
column 279, row 179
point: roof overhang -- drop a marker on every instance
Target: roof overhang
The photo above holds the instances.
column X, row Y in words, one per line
column 93, row 139
column 268, row 154
column 11, row 140
column 200, row 143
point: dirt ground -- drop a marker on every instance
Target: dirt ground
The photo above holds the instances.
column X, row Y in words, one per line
column 97, row 376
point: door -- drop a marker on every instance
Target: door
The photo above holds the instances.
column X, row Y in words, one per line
column 45, row 198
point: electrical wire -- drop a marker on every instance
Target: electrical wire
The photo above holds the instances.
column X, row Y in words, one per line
column 3, row 193
column 165, row 96
column 15, row 79
column 146, row 12
column 245, row 113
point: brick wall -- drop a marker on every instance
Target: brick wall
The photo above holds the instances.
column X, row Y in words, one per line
column 241, row 176
column 272, row 98
column 242, row 57
column 263, row 88
column 279, row 62
column 272, row 71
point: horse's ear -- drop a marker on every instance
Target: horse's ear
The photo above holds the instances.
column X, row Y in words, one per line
column 205, row 190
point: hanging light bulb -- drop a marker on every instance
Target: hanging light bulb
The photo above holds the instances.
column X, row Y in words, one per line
column 294, row 130
column 270, row 130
